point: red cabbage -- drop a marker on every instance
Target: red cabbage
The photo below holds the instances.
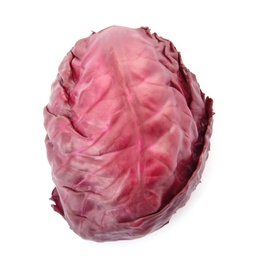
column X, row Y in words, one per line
column 128, row 132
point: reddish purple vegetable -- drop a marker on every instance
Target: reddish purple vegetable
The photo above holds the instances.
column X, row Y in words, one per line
column 128, row 132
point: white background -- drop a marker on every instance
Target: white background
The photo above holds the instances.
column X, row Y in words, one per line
column 220, row 41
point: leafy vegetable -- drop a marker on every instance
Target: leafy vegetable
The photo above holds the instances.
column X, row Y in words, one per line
column 128, row 132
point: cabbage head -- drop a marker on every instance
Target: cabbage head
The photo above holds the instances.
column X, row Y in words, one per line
column 128, row 134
